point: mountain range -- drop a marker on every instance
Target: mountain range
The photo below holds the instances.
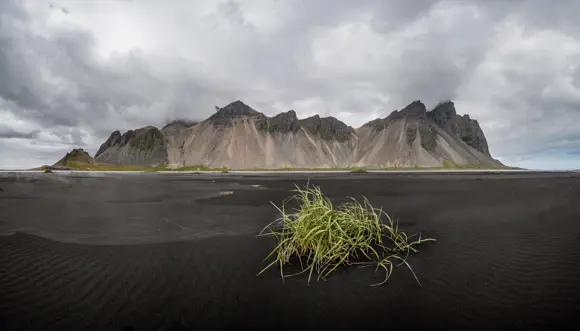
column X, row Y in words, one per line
column 239, row 137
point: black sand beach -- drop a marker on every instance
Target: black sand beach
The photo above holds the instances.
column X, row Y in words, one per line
column 167, row 252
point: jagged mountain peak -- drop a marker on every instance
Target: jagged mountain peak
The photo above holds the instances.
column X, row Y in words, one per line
column 291, row 114
column 224, row 116
column 415, row 109
column 328, row 128
column 283, row 122
column 235, row 109
column 78, row 152
column 327, row 119
column 462, row 126
column 144, row 137
column 114, row 139
column 443, row 113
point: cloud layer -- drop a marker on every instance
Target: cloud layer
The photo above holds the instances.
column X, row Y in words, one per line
column 74, row 71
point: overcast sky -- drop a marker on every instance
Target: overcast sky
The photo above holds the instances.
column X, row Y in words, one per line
column 71, row 72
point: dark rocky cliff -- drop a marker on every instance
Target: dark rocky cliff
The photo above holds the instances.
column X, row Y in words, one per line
column 467, row 129
column 114, row 139
column 284, row 122
column 144, row 146
column 224, row 116
column 444, row 116
column 327, row 128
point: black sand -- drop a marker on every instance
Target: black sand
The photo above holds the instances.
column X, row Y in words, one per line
column 166, row 252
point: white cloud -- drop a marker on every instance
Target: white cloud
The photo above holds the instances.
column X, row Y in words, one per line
column 110, row 65
column 523, row 92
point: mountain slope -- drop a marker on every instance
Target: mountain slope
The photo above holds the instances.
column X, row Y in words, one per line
column 410, row 137
column 145, row 146
column 467, row 129
column 238, row 137
column 74, row 158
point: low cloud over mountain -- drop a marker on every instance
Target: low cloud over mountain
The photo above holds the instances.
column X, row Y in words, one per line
column 73, row 70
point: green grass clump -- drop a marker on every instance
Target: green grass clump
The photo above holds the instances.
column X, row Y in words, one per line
column 322, row 237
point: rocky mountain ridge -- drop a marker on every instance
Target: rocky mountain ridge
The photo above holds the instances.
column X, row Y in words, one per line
column 238, row 136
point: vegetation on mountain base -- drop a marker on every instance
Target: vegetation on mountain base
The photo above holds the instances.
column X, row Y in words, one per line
column 358, row 170
column 129, row 167
column 79, row 159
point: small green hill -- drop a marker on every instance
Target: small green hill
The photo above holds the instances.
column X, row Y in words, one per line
column 75, row 158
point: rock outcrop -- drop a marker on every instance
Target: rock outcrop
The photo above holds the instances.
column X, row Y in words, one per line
column 145, row 146
column 283, row 123
column 113, row 140
column 327, row 128
column 467, row 129
column 239, row 137
column 225, row 116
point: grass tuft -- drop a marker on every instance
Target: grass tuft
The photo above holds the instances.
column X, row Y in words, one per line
column 323, row 237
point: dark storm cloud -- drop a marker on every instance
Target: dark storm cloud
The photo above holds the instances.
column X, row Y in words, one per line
column 330, row 57
column 80, row 89
column 89, row 91
column 10, row 133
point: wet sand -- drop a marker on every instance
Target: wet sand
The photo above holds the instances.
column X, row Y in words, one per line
column 168, row 252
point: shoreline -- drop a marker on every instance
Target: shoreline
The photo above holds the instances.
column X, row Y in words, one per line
column 243, row 172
